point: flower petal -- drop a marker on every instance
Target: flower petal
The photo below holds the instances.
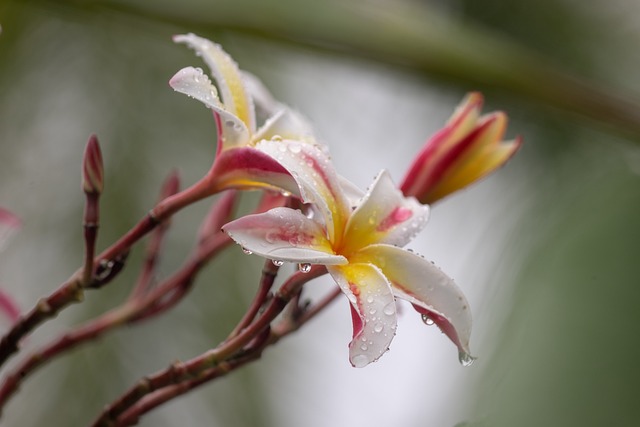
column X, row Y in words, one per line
column 318, row 182
column 194, row 83
column 384, row 216
column 286, row 124
column 227, row 75
column 373, row 309
column 246, row 168
column 283, row 234
column 423, row 284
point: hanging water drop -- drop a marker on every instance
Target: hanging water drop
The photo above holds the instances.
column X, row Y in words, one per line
column 304, row 267
column 277, row 262
column 427, row 320
column 465, row 359
column 247, row 251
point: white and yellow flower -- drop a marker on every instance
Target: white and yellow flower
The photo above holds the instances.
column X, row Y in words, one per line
column 239, row 163
column 361, row 248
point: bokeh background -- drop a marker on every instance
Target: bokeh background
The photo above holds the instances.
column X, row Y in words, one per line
column 547, row 249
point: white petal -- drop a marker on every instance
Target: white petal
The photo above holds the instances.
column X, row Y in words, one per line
column 225, row 71
column 425, row 286
column 283, row 234
column 353, row 193
column 373, row 310
column 262, row 98
column 310, row 166
column 194, row 83
column 286, row 124
column 385, row 216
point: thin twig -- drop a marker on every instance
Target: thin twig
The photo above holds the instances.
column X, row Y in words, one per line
column 185, row 371
column 153, row 400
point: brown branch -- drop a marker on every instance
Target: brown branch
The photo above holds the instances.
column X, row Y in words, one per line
column 192, row 369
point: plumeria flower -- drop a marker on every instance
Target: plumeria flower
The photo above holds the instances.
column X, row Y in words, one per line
column 468, row 148
column 239, row 162
column 9, row 224
column 361, row 248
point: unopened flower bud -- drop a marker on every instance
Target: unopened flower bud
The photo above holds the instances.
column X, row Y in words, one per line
column 468, row 148
column 92, row 167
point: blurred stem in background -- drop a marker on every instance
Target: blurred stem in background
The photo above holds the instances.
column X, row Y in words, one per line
column 407, row 34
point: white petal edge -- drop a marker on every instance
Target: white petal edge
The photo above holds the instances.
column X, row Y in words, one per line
column 283, row 234
column 286, row 124
column 386, row 215
column 418, row 281
column 371, row 299
column 195, row 84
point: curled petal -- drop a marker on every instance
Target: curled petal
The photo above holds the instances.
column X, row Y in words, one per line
column 385, row 216
column 246, row 167
column 283, row 234
column 423, row 284
column 373, row 310
column 194, row 83
column 318, row 182
column 227, row 75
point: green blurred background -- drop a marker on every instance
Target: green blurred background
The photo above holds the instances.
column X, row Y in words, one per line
column 547, row 249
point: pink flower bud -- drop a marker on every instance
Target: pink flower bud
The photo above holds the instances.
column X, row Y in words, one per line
column 468, row 148
column 92, row 167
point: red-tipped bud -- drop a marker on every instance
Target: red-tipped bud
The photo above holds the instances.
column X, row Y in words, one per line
column 92, row 167
column 468, row 148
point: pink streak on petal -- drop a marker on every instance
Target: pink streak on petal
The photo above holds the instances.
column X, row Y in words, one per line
column 397, row 216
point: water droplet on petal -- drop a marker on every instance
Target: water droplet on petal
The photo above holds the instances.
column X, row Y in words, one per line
column 427, row 320
column 370, row 299
column 360, row 361
column 304, row 267
column 247, row 251
column 295, row 148
column 389, row 309
column 378, row 327
column 277, row 262
column 465, row 358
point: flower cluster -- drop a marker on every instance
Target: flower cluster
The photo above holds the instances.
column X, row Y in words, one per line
column 359, row 236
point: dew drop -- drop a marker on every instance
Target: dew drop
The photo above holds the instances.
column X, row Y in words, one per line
column 389, row 309
column 304, row 267
column 285, row 194
column 364, row 347
column 360, row 361
column 247, row 251
column 295, row 148
column 427, row 320
column 378, row 328
column 465, row 358
column 277, row 262
column 370, row 299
